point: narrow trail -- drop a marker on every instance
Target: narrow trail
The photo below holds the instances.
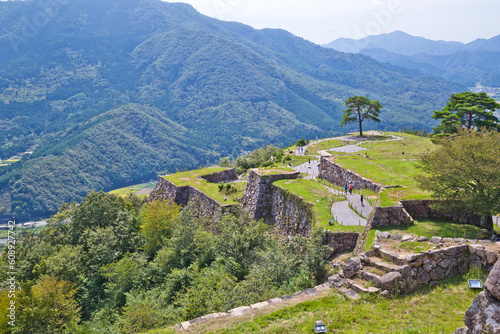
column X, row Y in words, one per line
column 341, row 211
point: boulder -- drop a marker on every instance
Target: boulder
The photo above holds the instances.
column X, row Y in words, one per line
column 406, row 237
column 385, row 235
column 492, row 283
column 351, row 267
column 436, row 240
column 336, row 281
column 396, row 237
column 238, row 311
column 422, row 238
column 310, row 291
column 385, row 293
column 389, row 281
column 275, row 301
column 259, row 305
column 483, row 316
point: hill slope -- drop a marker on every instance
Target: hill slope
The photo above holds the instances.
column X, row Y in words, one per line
column 113, row 92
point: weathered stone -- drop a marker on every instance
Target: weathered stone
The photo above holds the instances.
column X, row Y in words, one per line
column 429, row 265
column 375, row 279
column 483, row 316
column 492, row 283
column 215, row 315
column 414, row 257
column 386, row 255
column 383, row 266
column 358, row 288
column 298, row 293
column 437, row 274
column 286, row 297
column 385, row 235
column 351, row 267
column 474, row 249
column 422, row 276
column 436, row 240
column 259, row 305
column 403, row 270
column 490, row 257
column 336, row 281
column 447, row 240
column 185, row 325
column 422, row 238
column 239, row 311
column 462, row 330
column 364, row 258
column 389, row 281
column 351, row 294
column 323, row 286
column 396, row 237
column 445, row 263
column 310, row 292
column 372, row 289
column 385, row 293
column 406, row 237
column 275, row 300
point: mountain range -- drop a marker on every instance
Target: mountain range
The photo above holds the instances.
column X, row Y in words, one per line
column 107, row 93
column 466, row 64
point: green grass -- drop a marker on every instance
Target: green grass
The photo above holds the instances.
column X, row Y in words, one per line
column 190, row 178
column 434, row 310
column 325, row 145
column 132, row 189
column 314, row 193
column 385, row 163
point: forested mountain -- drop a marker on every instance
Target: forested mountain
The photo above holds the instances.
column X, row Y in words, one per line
column 466, row 64
column 110, row 92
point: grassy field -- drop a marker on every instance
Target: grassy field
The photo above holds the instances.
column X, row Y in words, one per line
column 314, row 193
column 132, row 189
column 435, row 310
column 391, row 163
column 211, row 189
column 324, row 145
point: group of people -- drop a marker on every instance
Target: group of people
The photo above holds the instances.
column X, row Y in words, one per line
column 349, row 187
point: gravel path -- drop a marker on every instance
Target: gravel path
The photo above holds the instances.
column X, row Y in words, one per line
column 343, row 214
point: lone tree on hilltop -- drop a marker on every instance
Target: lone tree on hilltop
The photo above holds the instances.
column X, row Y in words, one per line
column 467, row 110
column 464, row 173
column 360, row 108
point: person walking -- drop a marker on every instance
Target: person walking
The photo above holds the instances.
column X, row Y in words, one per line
column 362, row 200
column 350, row 189
column 345, row 189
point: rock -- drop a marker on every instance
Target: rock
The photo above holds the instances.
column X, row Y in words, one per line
column 422, row 276
column 298, row 293
column 259, row 305
column 336, row 281
column 406, row 237
column 275, row 300
column 483, row 316
column 385, row 293
column 185, row 325
column 447, row 240
column 286, row 297
column 422, row 238
column 436, row 240
column 378, row 233
column 310, row 292
column 403, row 270
column 351, row 267
column 386, row 255
column 490, row 257
column 372, row 289
column 462, row 330
column 492, row 283
column 414, row 257
column 351, row 294
column 364, row 258
column 323, row 286
column 239, row 311
column 371, row 278
column 389, row 281
column 385, row 235
column 358, row 288
column 396, row 237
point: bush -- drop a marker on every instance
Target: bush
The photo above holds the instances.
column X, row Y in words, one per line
column 221, row 186
column 301, row 142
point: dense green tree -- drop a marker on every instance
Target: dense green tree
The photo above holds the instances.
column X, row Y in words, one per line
column 359, row 109
column 464, row 173
column 467, row 110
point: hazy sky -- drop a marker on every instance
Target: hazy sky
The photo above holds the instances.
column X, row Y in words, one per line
column 322, row 21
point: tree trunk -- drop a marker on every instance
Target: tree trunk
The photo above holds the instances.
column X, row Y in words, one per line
column 360, row 127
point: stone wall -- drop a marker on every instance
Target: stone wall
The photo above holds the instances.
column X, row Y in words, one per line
column 335, row 174
column 419, row 270
column 393, row 215
column 257, row 199
column 290, row 212
column 204, row 205
column 228, row 175
column 419, row 209
column 340, row 241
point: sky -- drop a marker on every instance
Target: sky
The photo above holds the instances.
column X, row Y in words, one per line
column 322, row 21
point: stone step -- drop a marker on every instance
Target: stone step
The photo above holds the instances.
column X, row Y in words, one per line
column 360, row 288
column 350, row 293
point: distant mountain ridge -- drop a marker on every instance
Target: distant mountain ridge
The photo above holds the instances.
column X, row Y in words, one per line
column 112, row 92
column 467, row 64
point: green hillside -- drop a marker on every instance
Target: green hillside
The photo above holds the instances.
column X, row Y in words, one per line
column 110, row 98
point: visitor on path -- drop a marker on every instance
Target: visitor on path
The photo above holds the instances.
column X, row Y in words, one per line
column 346, row 189
column 350, row 189
column 309, row 161
column 362, row 198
